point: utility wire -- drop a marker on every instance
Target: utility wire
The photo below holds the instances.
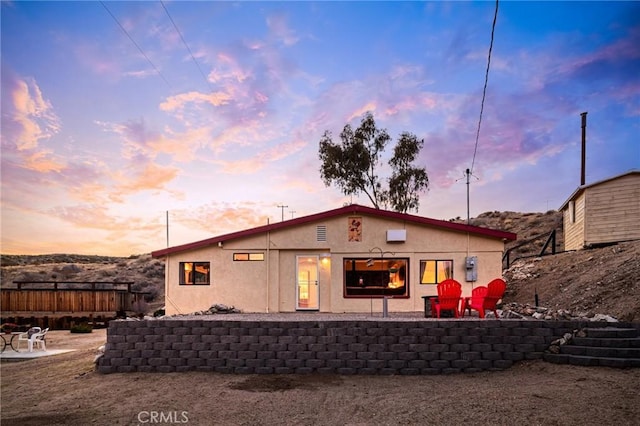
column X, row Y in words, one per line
column 187, row 46
column 484, row 90
column 136, row 44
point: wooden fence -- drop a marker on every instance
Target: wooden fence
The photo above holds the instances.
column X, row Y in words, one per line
column 78, row 298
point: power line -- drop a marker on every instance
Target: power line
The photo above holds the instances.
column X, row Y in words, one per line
column 484, row 90
column 186, row 45
column 136, row 44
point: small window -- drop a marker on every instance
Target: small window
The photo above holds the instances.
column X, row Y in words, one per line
column 572, row 212
column 435, row 271
column 246, row 257
column 195, row 273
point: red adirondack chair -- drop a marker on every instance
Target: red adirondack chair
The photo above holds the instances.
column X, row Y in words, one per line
column 495, row 291
column 477, row 298
column 449, row 292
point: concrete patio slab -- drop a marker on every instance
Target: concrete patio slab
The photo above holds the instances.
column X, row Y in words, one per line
column 11, row 355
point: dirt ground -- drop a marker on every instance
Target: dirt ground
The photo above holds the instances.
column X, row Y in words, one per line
column 65, row 390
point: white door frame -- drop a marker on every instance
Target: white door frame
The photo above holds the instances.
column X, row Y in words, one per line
column 313, row 284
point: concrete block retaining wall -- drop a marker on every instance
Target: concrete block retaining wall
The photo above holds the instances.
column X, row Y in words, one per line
column 328, row 347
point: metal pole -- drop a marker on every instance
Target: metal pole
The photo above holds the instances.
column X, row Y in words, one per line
column 282, row 207
column 384, row 289
column 468, row 172
column 385, row 312
column 584, row 149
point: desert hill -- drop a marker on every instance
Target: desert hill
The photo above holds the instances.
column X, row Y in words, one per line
column 146, row 273
column 602, row 280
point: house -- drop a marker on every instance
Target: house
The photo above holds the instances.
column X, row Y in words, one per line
column 603, row 212
column 343, row 260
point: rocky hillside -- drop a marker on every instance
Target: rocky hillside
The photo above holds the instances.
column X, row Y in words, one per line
column 533, row 230
column 586, row 282
column 602, row 280
column 583, row 283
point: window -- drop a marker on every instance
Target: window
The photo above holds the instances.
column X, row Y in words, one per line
column 435, row 271
column 195, row 273
column 572, row 212
column 376, row 278
column 245, row 257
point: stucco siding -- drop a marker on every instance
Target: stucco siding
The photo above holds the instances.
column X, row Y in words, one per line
column 270, row 285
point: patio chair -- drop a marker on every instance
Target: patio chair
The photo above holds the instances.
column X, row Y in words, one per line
column 477, row 298
column 24, row 337
column 495, row 291
column 449, row 292
column 36, row 339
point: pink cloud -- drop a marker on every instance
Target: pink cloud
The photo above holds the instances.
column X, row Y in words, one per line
column 28, row 122
column 279, row 28
column 227, row 70
column 221, row 218
column 31, row 113
column 262, row 159
column 510, row 135
column 623, row 49
column 181, row 146
column 42, row 162
column 147, row 177
column 179, row 101
column 95, row 216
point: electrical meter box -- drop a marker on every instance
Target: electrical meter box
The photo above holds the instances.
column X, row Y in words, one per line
column 471, row 266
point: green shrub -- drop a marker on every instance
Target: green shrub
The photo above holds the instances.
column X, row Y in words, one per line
column 81, row 328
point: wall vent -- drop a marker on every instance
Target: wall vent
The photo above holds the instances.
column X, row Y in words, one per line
column 321, row 233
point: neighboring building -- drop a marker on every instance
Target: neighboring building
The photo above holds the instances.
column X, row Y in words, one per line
column 342, row 260
column 603, row 212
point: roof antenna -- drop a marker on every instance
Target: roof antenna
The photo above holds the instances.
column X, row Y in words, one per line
column 468, row 175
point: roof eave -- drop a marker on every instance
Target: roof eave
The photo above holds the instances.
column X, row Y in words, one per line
column 350, row 209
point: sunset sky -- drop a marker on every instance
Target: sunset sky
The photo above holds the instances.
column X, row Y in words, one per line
column 115, row 113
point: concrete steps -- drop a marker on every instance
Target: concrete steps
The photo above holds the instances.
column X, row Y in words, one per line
column 603, row 347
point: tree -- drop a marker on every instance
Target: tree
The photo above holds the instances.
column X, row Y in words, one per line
column 406, row 181
column 353, row 164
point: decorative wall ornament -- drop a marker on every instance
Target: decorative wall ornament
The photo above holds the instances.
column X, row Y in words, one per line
column 355, row 228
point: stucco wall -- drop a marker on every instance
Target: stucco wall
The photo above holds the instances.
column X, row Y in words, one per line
column 269, row 285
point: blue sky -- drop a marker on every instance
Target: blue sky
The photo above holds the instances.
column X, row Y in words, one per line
column 110, row 123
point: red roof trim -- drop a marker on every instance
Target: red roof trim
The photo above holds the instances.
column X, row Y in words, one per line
column 350, row 209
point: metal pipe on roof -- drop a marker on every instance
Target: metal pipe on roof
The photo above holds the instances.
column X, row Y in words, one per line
column 584, row 149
